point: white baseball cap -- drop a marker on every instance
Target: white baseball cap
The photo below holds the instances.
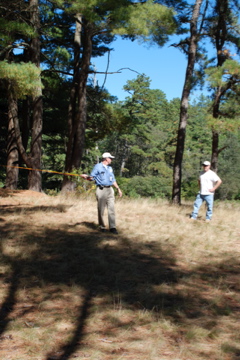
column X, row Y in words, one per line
column 207, row 163
column 107, row 155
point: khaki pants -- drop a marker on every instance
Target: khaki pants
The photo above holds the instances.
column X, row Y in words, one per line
column 105, row 198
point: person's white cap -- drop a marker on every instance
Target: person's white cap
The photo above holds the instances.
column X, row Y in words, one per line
column 107, row 155
column 207, row 163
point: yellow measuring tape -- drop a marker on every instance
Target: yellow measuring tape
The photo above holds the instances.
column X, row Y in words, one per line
column 50, row 171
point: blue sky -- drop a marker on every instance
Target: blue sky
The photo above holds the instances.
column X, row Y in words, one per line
column 165, row 67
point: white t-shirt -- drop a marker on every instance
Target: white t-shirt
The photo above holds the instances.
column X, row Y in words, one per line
column 207, row 180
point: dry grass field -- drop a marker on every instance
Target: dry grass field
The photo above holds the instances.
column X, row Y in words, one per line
column 165, row 288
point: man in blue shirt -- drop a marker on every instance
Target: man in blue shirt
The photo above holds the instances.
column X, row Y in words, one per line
column 104, row 178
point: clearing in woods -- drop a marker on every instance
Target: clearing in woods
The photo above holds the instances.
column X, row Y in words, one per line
column 165, row 288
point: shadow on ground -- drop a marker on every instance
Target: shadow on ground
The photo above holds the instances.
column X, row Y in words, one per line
column 90, row 260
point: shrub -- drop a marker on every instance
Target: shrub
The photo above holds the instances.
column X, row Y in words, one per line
column 150, row 186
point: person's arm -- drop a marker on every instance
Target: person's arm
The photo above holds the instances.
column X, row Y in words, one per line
column 118, row 188
column 86, row 177
column 217, row 184
column 90, row 177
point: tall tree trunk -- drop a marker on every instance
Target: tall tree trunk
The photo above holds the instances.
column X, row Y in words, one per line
column 177, row 169
column 67, row 184
column 125, row 156
column 18, row 135
column 25, row 121
column 81, row 116
column 215, row 133
column 12, row 150
column 35, row 176
column 221, row 33
column 215, row 145
column 76, row 139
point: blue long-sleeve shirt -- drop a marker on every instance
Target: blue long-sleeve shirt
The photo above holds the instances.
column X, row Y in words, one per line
column 103, row 175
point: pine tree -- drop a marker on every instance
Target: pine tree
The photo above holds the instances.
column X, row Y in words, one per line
column 22, row 79
column 223, row 29
column 101, row 19
column 188, row 84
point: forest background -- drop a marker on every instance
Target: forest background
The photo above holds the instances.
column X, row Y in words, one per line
column 54, row 116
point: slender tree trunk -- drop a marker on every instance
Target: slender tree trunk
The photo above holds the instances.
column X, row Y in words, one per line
column 35, row 176
column 76, row 139
column 67, row 184
column 124, row 158
column 81, row 116
column 25, row 122
column 33, row 160
column 18, row 137
column 220, row 39
column 215, row 133
column 12, row 150
column 177, row 170
column 215, row 145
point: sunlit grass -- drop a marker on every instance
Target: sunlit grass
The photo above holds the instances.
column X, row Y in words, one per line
column 165, row 288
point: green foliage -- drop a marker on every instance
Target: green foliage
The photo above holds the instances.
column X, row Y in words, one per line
column 147, row 132
column 140, row 131
column 154, row 156
column 229, row 168
column 61, row 57
column 24, row 78
column 190, row 188
column 223, row 123
column 198, row 137
column 101, row 119
column 56, row 99
column 150, row 186
column 148, row 20
column 226, row 80
column 82, row 186
column 220, row 76
column 53, row 158
column 10, row 29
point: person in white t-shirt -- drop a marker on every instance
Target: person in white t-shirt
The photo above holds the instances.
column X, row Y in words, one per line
column 208, row 181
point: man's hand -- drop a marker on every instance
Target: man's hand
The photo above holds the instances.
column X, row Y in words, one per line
column 86, row 177
column 119, row 192
column 218, row 183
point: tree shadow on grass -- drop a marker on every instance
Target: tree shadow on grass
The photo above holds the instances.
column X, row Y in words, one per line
column 13, row 209
column 137, row 273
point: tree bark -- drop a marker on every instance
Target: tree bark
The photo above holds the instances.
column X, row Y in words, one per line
column 81, row 115
column 35, row 176
column 18, row 136
column 12, row 150
column 77, row 126
column 177, row 169
column 67, row 184
column 124, row 158
column 25, row 121
column 221, row 34
column 215, row 144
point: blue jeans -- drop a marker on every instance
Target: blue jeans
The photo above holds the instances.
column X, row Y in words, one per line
column 198, row 202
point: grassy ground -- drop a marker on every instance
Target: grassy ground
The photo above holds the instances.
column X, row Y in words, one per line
column 165, row 288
